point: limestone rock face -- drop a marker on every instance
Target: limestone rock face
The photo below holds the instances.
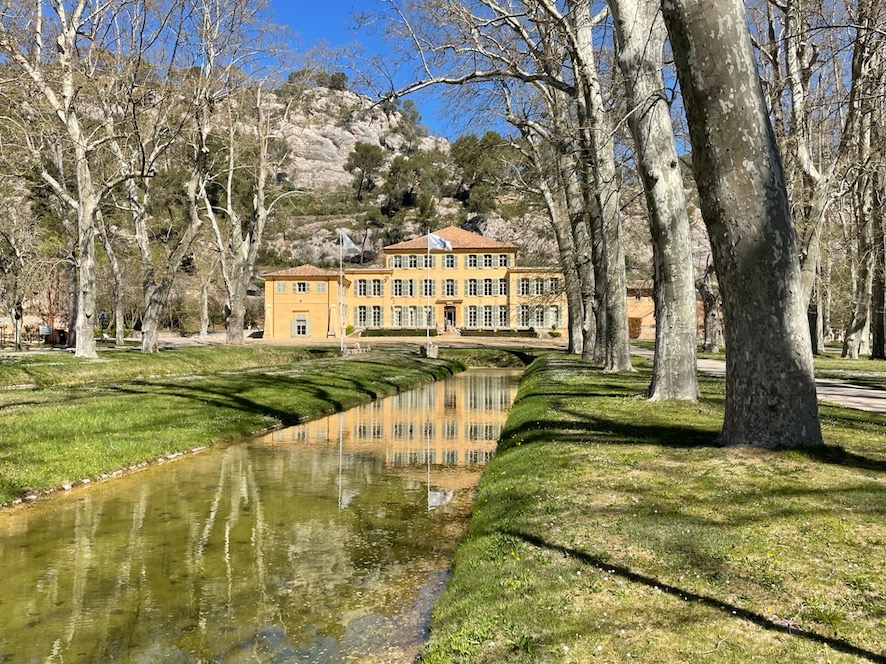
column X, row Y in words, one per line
column 324, row 126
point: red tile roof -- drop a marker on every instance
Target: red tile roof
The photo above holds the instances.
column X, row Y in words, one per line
column 302, row 271
column 460, row 239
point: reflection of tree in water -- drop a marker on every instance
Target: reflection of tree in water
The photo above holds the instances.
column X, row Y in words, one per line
column 376, row 522
column 248, row 551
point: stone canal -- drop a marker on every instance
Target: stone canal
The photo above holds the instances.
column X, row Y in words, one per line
column 324, row 542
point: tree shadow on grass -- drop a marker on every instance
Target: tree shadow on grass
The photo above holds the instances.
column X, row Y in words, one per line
column 587, row 428
column 836, row 455
column 868, row 382
column 233, row 398
column 725, row 607
column 338, row 392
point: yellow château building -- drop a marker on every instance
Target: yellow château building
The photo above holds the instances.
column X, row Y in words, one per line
column 475, row 286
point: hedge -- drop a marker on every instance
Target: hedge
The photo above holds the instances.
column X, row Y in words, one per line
column 398, row 332
column 499, row 333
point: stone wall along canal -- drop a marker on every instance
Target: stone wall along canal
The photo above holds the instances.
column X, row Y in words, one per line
column 324, row 542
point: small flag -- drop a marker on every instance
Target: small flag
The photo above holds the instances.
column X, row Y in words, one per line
column 438, row 498
column 347, row 244
column 437, row 242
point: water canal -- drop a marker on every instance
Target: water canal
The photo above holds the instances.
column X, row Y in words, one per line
column 324, row 542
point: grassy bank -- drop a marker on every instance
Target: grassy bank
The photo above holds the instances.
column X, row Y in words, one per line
column 53, row 437
column 61, row 369
column 609, row 529
column 502, row 358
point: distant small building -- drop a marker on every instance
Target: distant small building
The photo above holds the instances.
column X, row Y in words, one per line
column 476, row 286
column 303, row 302
column 641, row 311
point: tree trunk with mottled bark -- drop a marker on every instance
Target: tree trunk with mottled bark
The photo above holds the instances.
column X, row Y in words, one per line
column 855, row 340
column 878, row 308
column 555, row 200
column 118, row 279
column 770, row 387
column 640, row 34
column 710, row 300
column 204, row 307
column 599, row 155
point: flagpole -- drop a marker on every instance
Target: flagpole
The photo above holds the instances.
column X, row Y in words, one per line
column 428, row 296
column 341, row 285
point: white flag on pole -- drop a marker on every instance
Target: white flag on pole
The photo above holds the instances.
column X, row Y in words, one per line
column 437, row 242
column 347, row 244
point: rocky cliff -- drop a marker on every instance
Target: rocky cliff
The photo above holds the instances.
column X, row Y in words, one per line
column 324, row 126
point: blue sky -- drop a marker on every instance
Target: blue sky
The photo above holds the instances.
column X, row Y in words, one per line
column 325, row 19
column 332, row 21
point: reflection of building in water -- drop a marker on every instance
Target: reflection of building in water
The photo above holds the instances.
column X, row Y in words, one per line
column 456, row 422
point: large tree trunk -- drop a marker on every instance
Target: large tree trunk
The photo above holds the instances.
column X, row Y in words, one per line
column 235, row 310
column 118, row 278
column 86, row 210
column 710, row 300
column 596, row 326
column 878, row 308
column 154, row 299
column 770, row 386
column 598, row 152
column 578, row 211
column 71, row 284
column 204, row 307
column 855, row 341
column 640, row 33
column 555, row 200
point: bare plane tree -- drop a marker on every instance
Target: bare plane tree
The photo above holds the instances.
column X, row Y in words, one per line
column 238, row 226
column 57, row 75
column 474, row 43
column 770, row 388
column 641, row 33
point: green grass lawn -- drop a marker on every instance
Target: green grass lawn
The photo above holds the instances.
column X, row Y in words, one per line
column 863, row 371
column 609, row 529
column 88, row 425
column 62, row 369
column 484, row 356
column 829, row 365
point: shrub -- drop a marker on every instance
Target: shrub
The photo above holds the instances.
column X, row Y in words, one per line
column 634, row 325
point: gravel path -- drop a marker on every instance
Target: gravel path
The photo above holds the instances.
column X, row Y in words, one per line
column 832, row 391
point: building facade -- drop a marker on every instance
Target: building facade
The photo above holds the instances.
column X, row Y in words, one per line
column 475, row 286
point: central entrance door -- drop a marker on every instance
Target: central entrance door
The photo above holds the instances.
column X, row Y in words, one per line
column 448, row 317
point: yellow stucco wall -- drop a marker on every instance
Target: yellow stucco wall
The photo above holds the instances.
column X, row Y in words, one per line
column 302, row 307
